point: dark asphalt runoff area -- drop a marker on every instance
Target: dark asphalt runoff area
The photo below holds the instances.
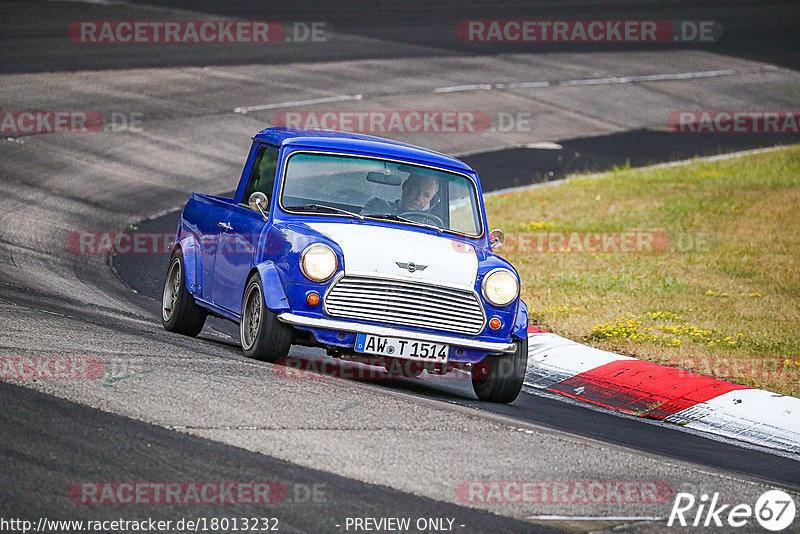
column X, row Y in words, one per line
column 763, row 31
column 43, row 458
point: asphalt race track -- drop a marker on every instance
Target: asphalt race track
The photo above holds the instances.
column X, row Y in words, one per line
column 172, row 409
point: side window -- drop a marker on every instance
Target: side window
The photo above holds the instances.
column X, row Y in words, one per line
column 262, row 177
column 463, row 216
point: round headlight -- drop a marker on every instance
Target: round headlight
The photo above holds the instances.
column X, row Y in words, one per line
column 318, row 262
column 500, row 287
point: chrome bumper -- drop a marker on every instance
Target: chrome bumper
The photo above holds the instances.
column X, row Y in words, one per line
column 330, row 324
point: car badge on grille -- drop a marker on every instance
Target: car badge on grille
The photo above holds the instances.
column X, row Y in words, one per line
column 411, row 266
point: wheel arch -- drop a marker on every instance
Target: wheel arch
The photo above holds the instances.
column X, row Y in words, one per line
column 521, row 322
column 274, row 294
column 192, row 264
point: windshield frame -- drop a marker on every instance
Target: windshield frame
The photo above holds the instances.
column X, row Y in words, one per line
column 473, row 183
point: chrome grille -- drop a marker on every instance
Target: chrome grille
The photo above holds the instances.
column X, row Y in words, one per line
column 406, row 303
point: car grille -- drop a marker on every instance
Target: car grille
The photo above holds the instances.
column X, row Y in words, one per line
column 406, row 303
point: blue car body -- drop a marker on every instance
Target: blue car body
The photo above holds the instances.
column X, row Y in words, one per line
column 224, row 241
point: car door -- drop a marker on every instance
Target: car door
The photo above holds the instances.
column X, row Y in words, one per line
column 238, row 244
column 208, row 212
column 239, row 238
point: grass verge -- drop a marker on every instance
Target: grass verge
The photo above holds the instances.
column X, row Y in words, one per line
column 694, row 266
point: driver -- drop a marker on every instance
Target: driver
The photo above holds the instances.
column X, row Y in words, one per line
column 418, row 190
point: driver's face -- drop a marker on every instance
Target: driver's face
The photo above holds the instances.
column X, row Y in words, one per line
column 418, row 193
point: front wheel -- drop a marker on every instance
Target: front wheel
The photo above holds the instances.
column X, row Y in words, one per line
column 179, row 311
column 499, row 378
column 262, row 335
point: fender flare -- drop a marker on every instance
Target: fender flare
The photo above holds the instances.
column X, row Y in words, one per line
column 192, row 267
column 274, row 295
column 521, row 323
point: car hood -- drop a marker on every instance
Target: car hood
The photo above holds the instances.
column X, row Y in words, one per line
column 376, row 251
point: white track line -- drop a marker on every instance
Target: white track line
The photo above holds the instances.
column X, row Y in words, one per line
column 594, row 518
column 459, row 88
column 342, row 98
column 612, row 80
column 532, row 84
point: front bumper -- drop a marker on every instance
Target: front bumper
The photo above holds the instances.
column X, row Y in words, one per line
column 345, row 326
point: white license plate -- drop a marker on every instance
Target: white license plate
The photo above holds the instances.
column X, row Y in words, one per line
column 402, row 348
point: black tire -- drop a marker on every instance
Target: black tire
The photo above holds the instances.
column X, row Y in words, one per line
column 179, row 311
column 499, row 378
column 262, row 335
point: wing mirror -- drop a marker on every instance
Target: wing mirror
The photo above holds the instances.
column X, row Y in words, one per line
column 497, row 238
column 258, row 202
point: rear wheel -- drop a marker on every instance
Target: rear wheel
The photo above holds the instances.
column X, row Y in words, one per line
column 179, row 311
column 262, row 335
column 499, row 378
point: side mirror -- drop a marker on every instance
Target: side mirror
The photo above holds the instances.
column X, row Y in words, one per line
column 496, row 238
column 258, row 202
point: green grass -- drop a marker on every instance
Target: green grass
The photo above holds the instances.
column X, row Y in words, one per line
column 718, row 293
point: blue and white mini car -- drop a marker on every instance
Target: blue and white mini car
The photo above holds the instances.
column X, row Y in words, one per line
column 373, row 249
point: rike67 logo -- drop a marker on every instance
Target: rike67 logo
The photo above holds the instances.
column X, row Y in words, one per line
column 774, row 510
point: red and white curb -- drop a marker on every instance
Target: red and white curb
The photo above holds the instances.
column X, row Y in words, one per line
column 646, row 389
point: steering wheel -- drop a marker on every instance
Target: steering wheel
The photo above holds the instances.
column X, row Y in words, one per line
column 423, row 217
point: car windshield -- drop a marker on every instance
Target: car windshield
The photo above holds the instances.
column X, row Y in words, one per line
column 381, row 189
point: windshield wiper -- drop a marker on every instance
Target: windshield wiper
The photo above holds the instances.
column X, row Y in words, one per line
column 322, row 207
column 394, row 217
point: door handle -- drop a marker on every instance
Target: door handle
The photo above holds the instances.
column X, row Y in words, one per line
column 225, row 225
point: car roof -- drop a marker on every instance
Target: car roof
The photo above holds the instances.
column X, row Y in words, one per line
column 355, row 142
